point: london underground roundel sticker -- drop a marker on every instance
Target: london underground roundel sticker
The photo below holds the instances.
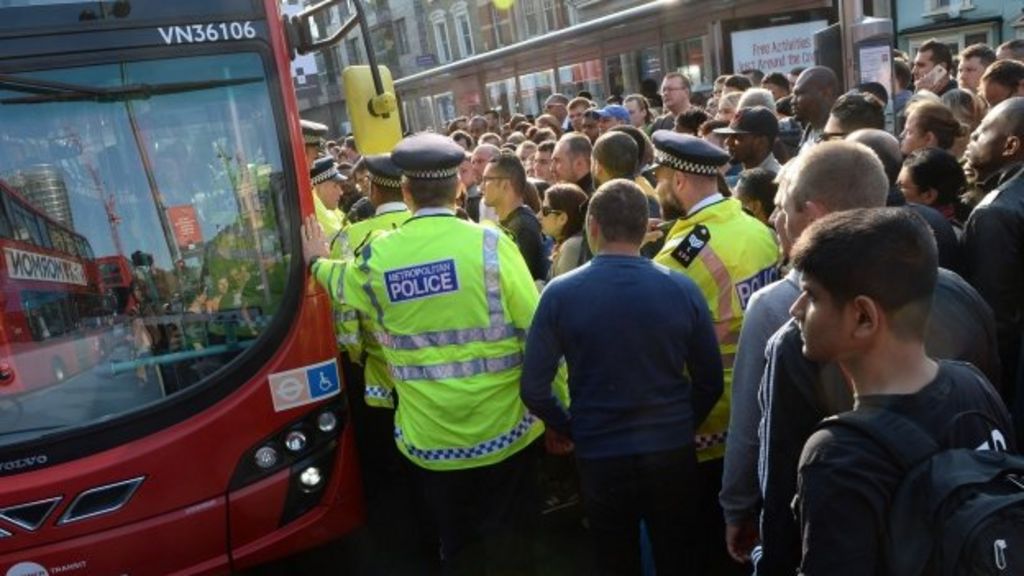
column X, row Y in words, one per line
column 27, row 569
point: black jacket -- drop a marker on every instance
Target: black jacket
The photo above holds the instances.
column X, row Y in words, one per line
column 796, row 394
column 993, row 243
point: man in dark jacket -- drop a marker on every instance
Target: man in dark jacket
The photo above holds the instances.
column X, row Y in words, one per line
column 798, row 393
column 994, row 234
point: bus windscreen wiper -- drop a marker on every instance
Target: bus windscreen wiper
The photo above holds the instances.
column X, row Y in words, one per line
column 46, row 91
column 35, row 86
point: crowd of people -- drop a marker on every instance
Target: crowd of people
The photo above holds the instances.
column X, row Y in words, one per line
column 676, row 299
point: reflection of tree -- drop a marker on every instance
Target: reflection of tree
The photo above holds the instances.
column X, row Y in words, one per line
column 256, row 223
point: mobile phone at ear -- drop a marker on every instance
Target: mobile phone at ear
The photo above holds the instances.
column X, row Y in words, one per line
column 935, row 75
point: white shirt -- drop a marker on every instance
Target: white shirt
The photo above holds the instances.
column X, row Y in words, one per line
column 434, row 211
column 717, row 196
column 389, row 207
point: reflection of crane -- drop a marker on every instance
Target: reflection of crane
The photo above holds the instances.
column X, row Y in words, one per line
column 109, row 202
column 115, row 221
column 109, row 205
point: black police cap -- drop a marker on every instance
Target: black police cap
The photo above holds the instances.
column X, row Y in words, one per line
column 687, row 153
column 428, row 156
column 324, row 169
column 313, row 133
column 383, row 172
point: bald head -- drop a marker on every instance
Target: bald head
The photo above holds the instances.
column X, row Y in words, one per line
column 1011, row 112
column 838, row 176
column 814, row 94
column 885, row 146
column 999, row 139
column 819, row 78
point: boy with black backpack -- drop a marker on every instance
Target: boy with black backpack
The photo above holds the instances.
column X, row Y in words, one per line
column 895, row 487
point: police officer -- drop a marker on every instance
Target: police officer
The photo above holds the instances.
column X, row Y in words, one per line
column 452, row 301
column 730, row 255
column 356, row 333
column 313, row 134
column 390, row 211
column 326, row 180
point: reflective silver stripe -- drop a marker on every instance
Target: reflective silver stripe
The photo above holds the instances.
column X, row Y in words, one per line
column 337, row 237
column 338, row 295
column 448, row 337
column 347, row 339
column 492, row 277
column 346, row 315
column 480, row 450
column 368, row 288
column 458, row 369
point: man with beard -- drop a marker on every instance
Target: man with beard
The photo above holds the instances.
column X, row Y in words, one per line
column 750, row 138
column 730, row 255
column 571, row 161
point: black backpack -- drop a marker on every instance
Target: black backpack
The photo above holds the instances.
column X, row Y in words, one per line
column 956, row 512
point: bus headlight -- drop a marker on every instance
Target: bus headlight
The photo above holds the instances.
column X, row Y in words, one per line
column 266, row 457
column 327, row 421
column 295, row 441
column 311, row 477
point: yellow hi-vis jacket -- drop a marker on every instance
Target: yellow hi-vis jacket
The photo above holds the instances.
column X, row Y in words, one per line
column 730, row 255
column 452, row 301
column 332, row 221
column 355, row 332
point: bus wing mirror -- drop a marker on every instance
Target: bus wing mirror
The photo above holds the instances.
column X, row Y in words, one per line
column 300, row 36
column 300, row 32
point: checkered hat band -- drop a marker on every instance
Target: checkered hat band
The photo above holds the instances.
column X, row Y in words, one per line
column 385, row 182
column 685, row 165
column 432, row 174
column 321, row 178
column 311, row 139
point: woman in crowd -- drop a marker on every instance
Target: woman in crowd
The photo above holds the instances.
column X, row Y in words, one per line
column 934, row 177
column 639, row 111
column 562, row 217
column 930, row 124
column 968, row 109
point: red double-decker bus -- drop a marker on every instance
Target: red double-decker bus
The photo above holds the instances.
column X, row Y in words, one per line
column 115, row 274
column 52, row 307
column 207, row 432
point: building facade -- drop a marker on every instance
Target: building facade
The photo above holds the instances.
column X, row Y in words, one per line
column 958, row 23
column 615, row 48
column 412, row 36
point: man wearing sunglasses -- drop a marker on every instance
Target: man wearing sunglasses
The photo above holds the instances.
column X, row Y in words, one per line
column 504, row 188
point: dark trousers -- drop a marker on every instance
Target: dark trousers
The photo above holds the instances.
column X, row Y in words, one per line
column 713, row 557
column 659, row 488
column 486, row 517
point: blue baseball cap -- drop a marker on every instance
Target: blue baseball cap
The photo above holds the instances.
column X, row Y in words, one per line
column 614, row 111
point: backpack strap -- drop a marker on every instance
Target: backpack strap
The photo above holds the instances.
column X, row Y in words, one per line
column 902, row 439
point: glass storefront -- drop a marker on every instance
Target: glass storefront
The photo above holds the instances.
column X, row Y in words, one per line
column 582, row 76
column 534, row 89
column 691, row 59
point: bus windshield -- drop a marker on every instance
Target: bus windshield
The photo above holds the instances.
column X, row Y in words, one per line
column 142, row 233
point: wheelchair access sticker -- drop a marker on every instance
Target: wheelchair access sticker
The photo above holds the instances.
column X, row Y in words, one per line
column 304, row 385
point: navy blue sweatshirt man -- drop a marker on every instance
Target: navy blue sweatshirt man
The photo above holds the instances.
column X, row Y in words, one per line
column 644, row 372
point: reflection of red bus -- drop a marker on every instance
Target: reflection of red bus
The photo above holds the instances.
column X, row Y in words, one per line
column 51, row 300
column 213, row 436
column 116, row 281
